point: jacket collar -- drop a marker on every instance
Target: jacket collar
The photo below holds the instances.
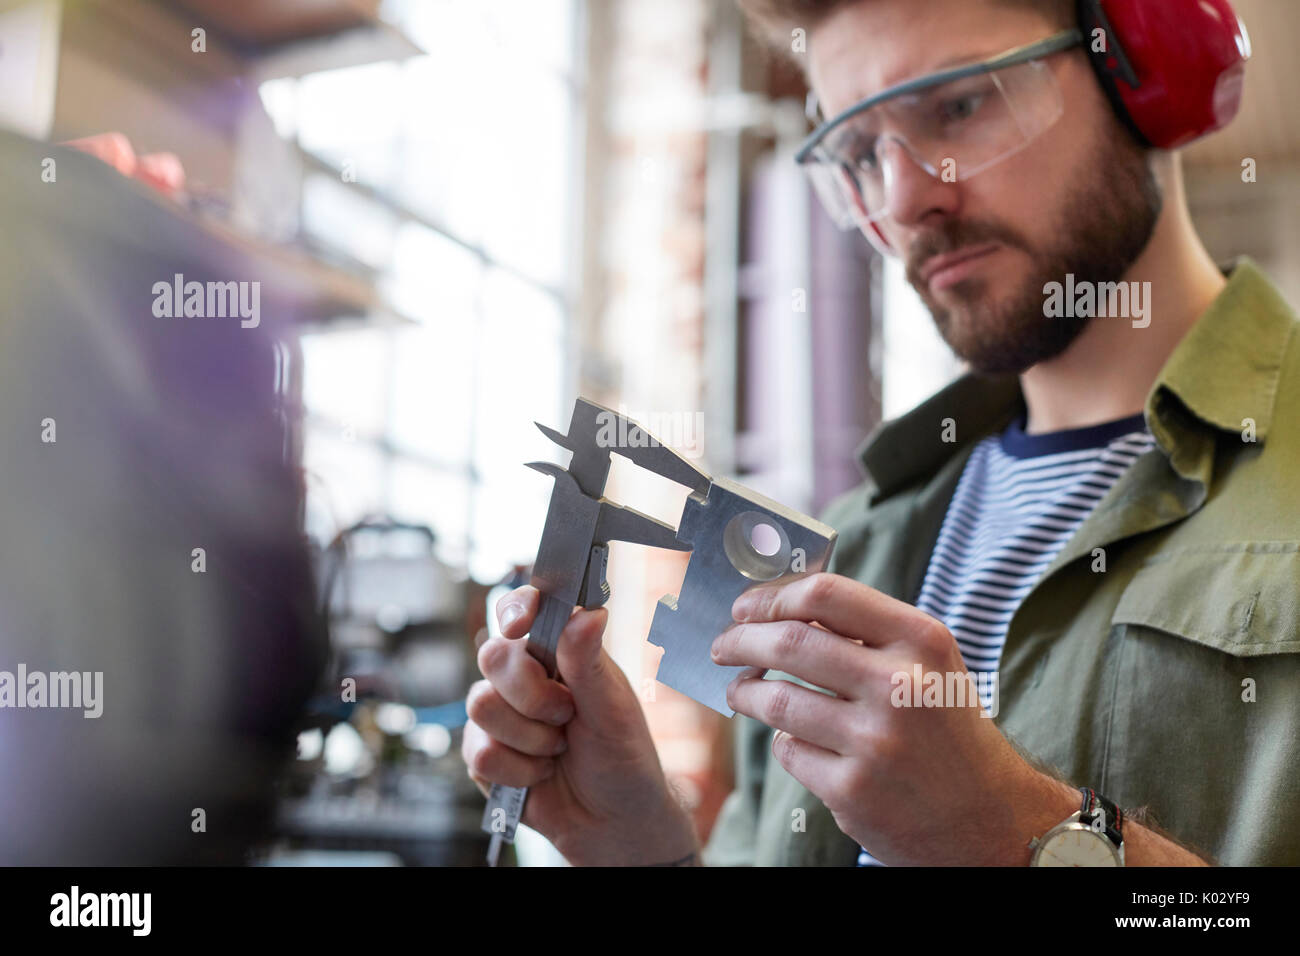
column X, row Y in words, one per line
column 1223, row 373
column 912, row 447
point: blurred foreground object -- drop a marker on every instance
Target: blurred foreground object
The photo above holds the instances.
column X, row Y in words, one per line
column 150, row 520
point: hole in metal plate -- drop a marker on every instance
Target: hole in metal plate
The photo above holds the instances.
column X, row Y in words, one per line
column 756, row 546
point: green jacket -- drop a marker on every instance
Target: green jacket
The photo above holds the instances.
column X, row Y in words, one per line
column 1158, row 658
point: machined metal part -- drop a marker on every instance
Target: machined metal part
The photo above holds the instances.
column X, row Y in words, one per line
column 738, row 539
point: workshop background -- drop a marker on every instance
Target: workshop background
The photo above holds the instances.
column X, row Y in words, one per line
column 471, row 212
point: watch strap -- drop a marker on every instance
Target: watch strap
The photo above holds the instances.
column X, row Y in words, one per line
column 1093, row 805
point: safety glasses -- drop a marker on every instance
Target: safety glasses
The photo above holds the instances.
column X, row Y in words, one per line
column 954, row 125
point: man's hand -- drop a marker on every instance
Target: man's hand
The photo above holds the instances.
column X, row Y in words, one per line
column 914, row 785
column 597, row 790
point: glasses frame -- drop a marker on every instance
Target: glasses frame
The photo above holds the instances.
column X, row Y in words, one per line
column 1056, row 43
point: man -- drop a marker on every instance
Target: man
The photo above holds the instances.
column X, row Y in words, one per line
column 1096, row 522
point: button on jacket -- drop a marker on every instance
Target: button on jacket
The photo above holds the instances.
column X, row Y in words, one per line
column 1157, row 660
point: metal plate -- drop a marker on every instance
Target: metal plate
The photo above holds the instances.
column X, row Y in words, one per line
column 738, row 539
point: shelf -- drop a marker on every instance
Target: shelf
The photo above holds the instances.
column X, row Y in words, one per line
column 294, row 37
column 269, row 23
column 327, row 293
column 296, row 287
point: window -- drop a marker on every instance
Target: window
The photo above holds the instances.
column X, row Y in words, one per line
column 450, row 178
column 917, row 361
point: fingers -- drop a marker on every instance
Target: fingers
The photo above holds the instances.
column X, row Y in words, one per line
column 841, row 604
column 516, row 714
column 484, row 786
column 807, row 714
column 804, row 760
column 516, row 611
column 601, row 692
column 582, row 662
column 522, row 681
column 490, row 711
column 796, row 648
column 489, row 759
column 580, row 658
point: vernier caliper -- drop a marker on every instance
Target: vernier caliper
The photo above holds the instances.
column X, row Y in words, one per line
column 738, row 538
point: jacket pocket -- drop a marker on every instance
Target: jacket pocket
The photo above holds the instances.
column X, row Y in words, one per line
column 1204, row 727
column 1242, row 598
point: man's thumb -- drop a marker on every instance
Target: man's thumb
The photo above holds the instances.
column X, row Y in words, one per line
column 582, row 662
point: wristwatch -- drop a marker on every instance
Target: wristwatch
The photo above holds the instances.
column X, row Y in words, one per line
column 1089, row 837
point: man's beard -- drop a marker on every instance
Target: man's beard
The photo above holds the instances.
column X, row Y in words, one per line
column 1104, row 226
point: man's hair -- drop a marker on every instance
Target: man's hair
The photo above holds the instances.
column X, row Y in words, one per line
column 773, row 20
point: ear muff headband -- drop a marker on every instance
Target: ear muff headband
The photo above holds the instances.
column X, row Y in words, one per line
column 1173, row 69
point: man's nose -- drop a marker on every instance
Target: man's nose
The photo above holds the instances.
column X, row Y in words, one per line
column 912, row 194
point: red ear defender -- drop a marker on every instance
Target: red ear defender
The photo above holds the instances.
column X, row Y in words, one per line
column 1173, row 69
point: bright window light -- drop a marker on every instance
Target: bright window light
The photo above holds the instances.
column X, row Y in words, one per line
column 448, row 180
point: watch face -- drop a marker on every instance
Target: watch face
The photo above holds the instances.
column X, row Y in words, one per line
column 1076, row 844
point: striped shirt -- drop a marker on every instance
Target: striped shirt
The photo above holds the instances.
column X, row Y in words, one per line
column 1020, row 498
